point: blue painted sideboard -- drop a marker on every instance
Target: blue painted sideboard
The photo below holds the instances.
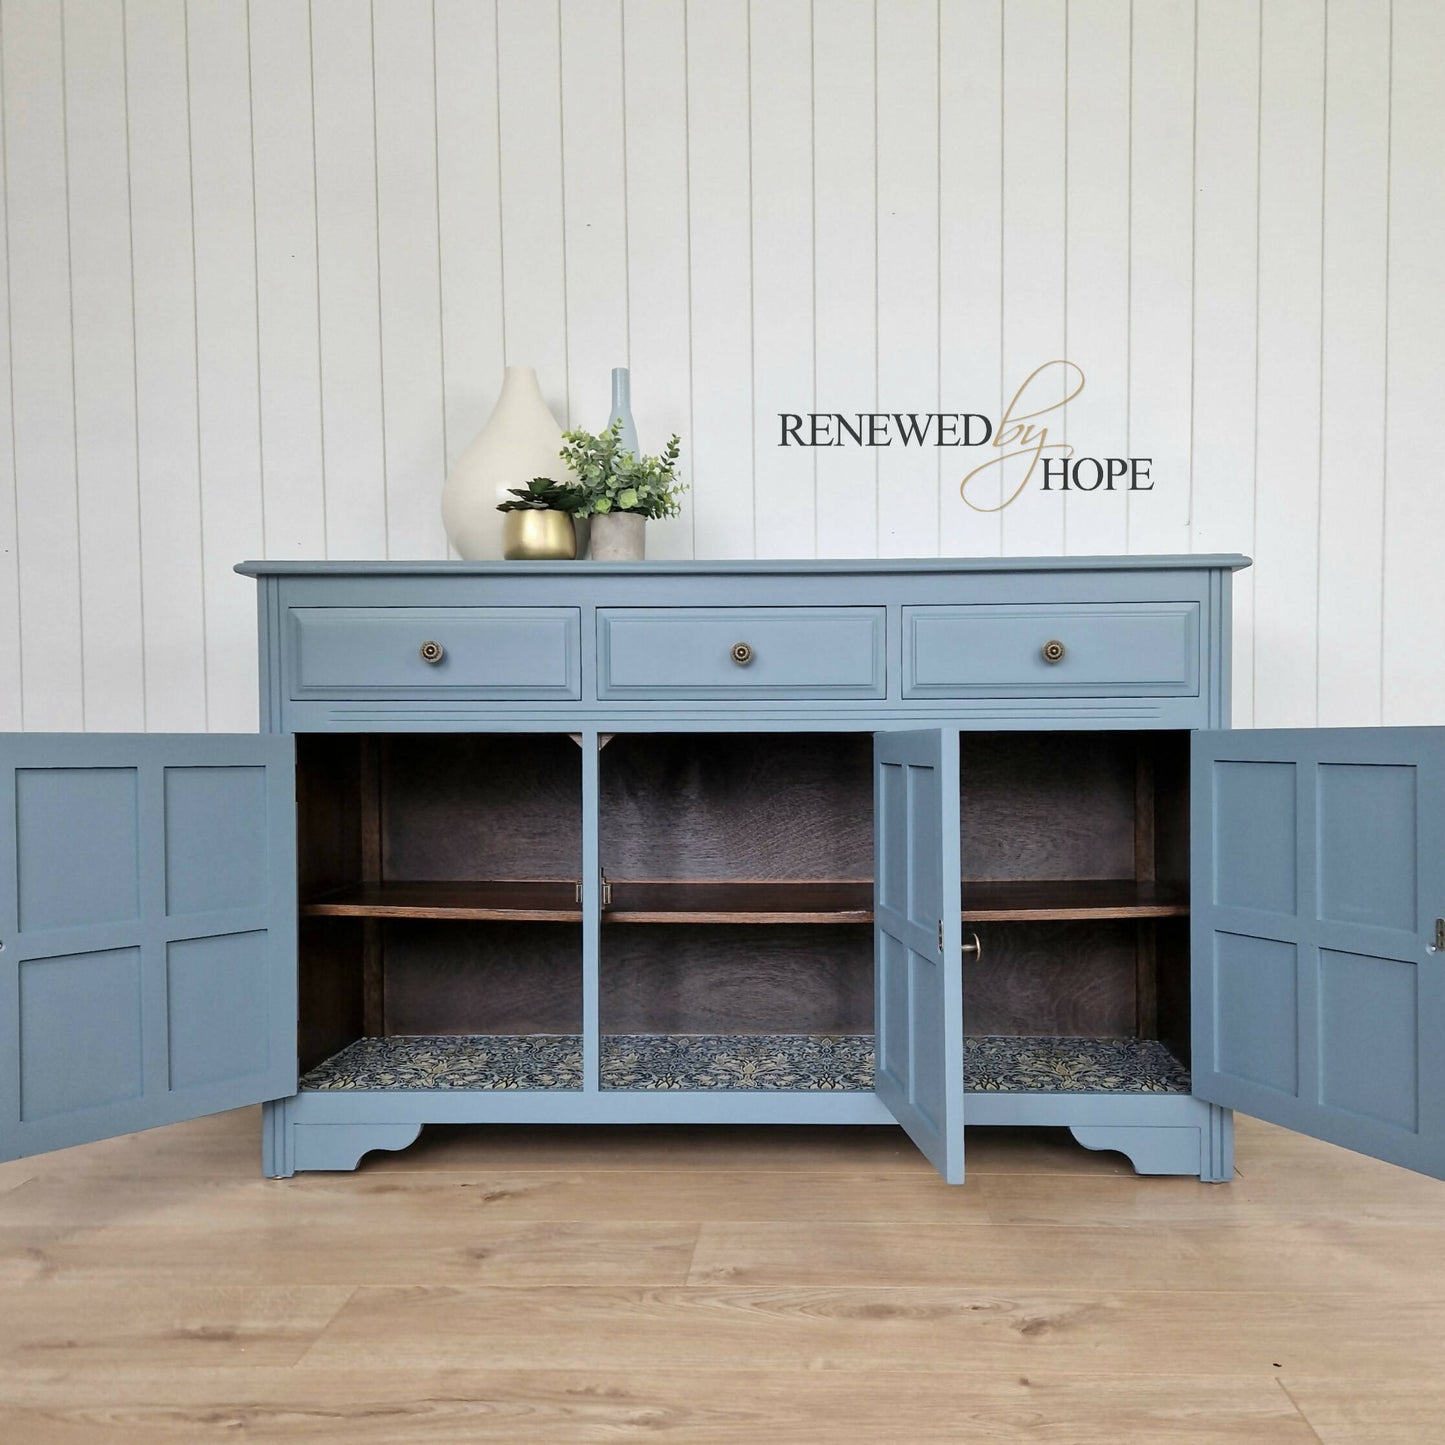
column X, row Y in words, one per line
column 916, row 842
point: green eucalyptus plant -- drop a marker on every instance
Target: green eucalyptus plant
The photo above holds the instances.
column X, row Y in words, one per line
column 614, row 480
column 543, row 494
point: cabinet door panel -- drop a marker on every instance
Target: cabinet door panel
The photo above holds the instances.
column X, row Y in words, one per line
column 918, row 967
column 1319, row 873
column 147, row 931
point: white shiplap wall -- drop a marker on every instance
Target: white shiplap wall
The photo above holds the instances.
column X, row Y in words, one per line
column 265, row 260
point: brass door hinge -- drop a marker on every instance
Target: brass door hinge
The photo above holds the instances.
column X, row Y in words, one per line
column 1439, row 945
column 940, row 935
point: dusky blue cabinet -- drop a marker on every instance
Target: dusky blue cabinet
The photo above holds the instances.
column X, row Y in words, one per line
column 918, row 988
column 148, row 920
column 1319, row 960
column 848, row 842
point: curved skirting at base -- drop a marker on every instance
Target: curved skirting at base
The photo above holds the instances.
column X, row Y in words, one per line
column 289, row 1147
column 1207, row 1151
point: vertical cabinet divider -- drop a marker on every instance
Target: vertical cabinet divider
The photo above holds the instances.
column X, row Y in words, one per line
column 591, row 912
column 373, row 972
column 1146, row 953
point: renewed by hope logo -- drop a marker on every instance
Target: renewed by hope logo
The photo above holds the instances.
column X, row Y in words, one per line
column 1016, row 436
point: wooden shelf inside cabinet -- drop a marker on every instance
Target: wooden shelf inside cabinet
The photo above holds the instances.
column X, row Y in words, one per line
column 807, row 900
column 539, row 900
column 793, row 900
column 1085, row 898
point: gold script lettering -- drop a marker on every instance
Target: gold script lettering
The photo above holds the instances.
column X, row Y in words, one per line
column 1030, row 441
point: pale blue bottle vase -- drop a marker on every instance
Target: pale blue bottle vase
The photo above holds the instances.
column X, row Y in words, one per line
column 622, row 407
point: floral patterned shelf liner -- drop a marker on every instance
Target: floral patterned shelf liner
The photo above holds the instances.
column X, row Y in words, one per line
column 738, row 1061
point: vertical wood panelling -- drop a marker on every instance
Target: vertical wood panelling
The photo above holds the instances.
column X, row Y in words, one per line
column 782, row 258
column 264, row 263
column 1352, row 418
column 1225, row 256
column 12, row 692
column 1161, row 263
column 1414, row 503
column 167, row 430
column 1288, row 404
column 227, row 369
column 1033, row 258
column 348, row 287
column 720, row 222
column 41, row 384
column 106, row 483
column 288, row 334
column 1096, row 314
column 970, row 261
column 845, row 275
column 658, row 277
column 908, row 344
column 533, row 263
column 406, row 192
column 470, row 229
column 595, row 193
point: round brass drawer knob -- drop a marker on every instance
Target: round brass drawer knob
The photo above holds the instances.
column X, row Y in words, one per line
column 742, row 654
column 1053, row 651
column 432, row 652
column 975, row 948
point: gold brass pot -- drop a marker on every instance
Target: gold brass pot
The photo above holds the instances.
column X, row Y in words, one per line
column 534, row 536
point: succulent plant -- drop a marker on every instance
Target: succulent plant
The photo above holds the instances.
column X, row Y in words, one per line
column 543, row 494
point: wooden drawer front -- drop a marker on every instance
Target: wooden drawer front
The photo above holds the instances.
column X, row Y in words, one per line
column 1113, row 649
column 487, row 652
column 687, row 652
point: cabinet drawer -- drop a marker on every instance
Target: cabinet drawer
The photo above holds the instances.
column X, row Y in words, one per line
column 486, row 652
column 781, row 652
column 1113, row 649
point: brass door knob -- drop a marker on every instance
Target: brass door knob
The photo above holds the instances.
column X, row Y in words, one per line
column 975, row 948
column 432, row 652
column 742, row 654
column 1054, row 651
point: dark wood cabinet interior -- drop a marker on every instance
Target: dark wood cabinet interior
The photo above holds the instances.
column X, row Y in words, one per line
column 440, row 891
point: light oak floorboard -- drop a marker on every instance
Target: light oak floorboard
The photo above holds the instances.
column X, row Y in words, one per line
column 945, row 1327
column 1180, row 1257
column 352, row 1250
column 1367, row 1412
column 729, row 1284
column 378, row 1202
column 723, row 1406
column 70, row 1324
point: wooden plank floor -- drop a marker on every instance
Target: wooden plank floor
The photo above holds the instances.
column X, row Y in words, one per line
column 739, row 1285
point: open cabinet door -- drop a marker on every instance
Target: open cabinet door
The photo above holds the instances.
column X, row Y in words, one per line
column 148, row 928
column 1318, row 991
column 918, row 963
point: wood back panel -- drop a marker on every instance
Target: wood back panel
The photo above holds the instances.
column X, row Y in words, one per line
column 1052, row 978
column 732, row 806
column 1047, row 805
column 483, row 978
column 471, row 806
column 765, row 979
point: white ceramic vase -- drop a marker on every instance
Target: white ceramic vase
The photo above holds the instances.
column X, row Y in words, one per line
column 521, row 440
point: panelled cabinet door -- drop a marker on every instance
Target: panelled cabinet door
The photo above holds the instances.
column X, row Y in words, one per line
column 1319, row 993
column 148, row 926
column 918, row 966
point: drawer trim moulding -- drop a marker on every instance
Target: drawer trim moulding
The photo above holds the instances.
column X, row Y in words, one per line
column 1108, row 649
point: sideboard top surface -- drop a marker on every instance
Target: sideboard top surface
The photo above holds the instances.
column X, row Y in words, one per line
column 1232, row 561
